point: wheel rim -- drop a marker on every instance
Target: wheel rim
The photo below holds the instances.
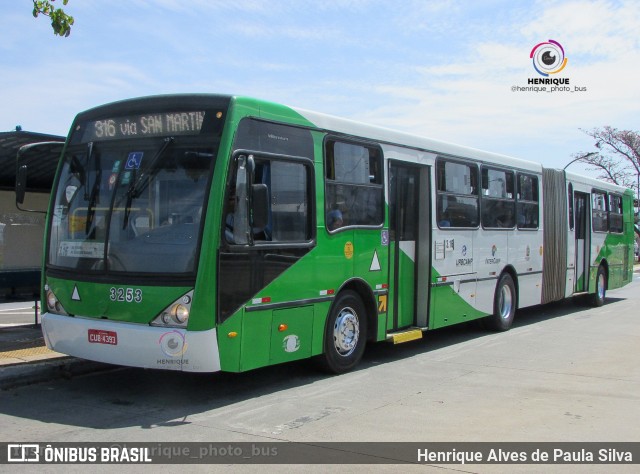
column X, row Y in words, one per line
column 601, row 286
column 506, row 302
column 346, row 332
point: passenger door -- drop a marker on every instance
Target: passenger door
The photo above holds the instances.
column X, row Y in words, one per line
column 409, row 233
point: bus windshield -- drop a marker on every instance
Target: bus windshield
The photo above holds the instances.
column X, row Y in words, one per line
column 131, row 206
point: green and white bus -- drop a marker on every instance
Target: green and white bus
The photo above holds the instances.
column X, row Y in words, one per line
column 206, row 232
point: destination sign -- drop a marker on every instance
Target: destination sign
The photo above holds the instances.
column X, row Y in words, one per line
column 146, row 125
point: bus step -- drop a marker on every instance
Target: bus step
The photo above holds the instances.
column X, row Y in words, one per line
column 405, row 336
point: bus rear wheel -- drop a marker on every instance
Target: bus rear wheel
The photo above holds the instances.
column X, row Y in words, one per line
column 345, row 335
column 597, row 299
column 504, row 305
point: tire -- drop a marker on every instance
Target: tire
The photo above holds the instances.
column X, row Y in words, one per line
column 597, row 299
column 345, row 334
column 504, row 305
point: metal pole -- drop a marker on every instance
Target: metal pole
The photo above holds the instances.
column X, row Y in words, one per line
column 35, row 322
column 580, row 158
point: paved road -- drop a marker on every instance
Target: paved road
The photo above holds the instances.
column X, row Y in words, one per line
column 563, row 373
column 17, row 313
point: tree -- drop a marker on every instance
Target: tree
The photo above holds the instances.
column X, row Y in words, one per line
column 60, row 21
column 617, row 158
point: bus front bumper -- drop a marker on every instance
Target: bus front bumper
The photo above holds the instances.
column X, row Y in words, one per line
column 132, row 345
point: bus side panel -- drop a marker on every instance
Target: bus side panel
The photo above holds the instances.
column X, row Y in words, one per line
column 454, row 281
column 491, row 255
column 371, row 259
column 272, row 337
column 229, row 343
column 525, row 255
column 291, row 334
column 256, row 341
column 616, row 252
column 629, row 233
column 448, row 307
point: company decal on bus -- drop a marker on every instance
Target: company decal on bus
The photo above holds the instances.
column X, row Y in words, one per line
column 291, row 343
column 493, row 260
column 382, row 304
column 375, row 263
column 348, row 250
column 460, row 262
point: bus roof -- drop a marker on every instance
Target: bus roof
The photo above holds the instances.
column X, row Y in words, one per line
column 385, row 135
column 596, row 183
column 330, row 123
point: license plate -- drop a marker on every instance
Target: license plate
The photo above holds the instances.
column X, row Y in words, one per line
column 98, row 336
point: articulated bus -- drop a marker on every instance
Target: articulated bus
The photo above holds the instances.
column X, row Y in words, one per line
column 205, row 233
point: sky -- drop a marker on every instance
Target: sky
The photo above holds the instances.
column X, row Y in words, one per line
column 444, row 69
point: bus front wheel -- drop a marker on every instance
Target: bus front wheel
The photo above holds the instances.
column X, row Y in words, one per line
column 345, row 336
column 504, row 305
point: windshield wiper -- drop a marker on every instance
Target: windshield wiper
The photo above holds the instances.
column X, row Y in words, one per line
column 95, row 190
column 86, row 167
column 133, row 191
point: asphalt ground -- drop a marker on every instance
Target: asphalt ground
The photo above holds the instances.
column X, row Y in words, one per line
column 25, row 358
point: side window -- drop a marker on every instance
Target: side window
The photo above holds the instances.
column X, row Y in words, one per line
column 528, row 202
column 599, row 211
column 615, row 213
column 498, row 199
column 570, row 202
column 457, row 194
column 354, row 193
column 288, row 198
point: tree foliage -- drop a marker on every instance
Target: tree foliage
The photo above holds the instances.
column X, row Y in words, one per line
column 618, row 156
column 60, row 21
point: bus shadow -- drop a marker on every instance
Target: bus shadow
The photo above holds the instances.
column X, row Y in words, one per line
column 457, row 334
column 130, row 397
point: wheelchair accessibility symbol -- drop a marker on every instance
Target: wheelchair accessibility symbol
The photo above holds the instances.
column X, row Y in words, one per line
column 134, row 160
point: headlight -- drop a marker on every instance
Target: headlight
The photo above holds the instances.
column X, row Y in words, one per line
column 53, row 305
column 51, row 300
column 180, row 313
column 176, row 314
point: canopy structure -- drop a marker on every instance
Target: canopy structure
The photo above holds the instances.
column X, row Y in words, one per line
column 21, row 232
column 41, row 160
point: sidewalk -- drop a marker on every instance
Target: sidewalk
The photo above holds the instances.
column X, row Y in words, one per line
column 23, row 343
column 25, row 359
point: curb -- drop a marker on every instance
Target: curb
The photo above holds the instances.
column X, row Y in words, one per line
column 18, row 375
